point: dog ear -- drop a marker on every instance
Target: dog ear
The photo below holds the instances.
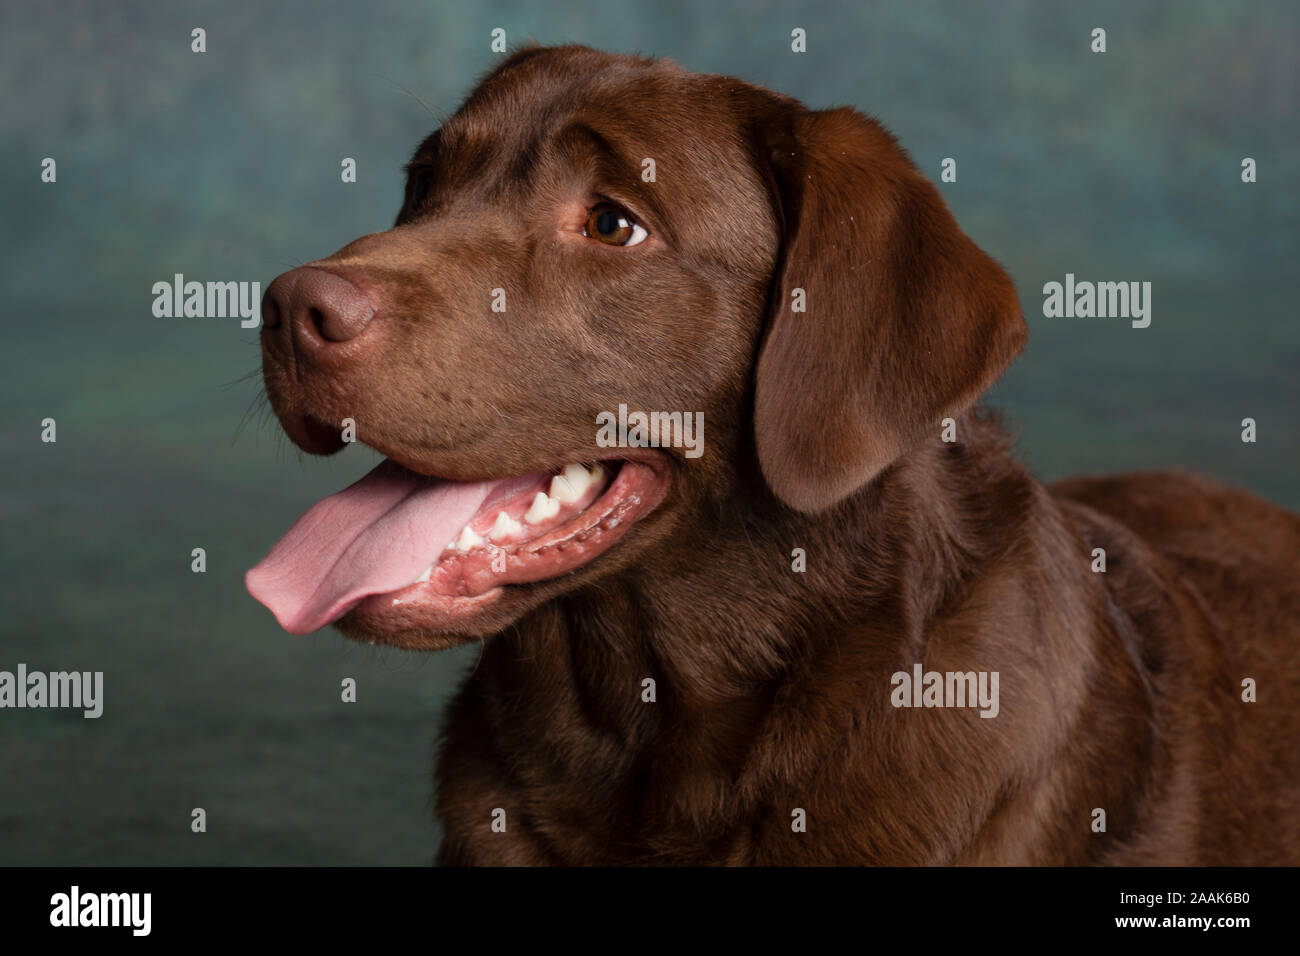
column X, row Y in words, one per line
column 904, row 319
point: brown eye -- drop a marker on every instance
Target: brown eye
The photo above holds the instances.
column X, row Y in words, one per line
column 420, row 183
column 612, row 225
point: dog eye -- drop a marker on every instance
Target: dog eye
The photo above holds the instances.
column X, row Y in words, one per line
column 421, row 181
column 612, row 225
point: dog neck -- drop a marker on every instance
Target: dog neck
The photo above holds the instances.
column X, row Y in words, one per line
column 675, row 659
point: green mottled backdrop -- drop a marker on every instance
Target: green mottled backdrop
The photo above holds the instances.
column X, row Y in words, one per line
column 225, row 165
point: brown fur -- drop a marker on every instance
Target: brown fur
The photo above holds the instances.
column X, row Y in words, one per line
column 1119, row 691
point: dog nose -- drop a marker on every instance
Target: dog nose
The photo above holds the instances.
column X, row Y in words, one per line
column 319, row 308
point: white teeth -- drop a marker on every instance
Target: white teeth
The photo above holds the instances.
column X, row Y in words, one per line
column 426, row 574
column 544, row 507
column 571, row 484
column 468, row 539
column 505, row 527
column 566, row 488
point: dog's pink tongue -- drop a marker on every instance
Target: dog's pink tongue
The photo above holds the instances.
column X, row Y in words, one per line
column 373, row 537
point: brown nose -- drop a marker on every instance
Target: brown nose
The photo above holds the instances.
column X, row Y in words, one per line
column 319, row 308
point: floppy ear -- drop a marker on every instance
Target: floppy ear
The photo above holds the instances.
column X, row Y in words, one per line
column 906, row 320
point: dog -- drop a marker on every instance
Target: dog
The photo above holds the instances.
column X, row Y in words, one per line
column 745, row 655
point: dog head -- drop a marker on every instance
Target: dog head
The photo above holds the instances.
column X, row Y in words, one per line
column 613, row 287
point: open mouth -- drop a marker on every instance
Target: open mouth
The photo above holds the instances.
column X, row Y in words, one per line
column 436, row 549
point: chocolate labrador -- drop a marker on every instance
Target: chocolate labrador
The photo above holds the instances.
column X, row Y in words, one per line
column 674, row 378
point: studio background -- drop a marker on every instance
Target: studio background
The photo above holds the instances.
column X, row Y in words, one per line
column 225, row 166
